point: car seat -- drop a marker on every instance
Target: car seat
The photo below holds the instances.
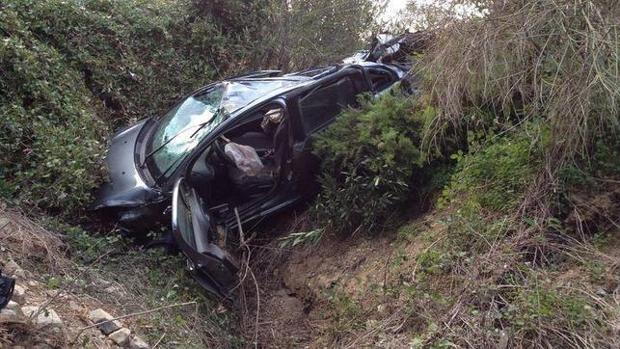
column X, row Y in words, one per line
column 252, row 186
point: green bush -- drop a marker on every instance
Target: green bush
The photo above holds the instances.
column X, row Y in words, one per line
column 369, row 157
column 495, row 177
column 70, row 71
column 50, row 136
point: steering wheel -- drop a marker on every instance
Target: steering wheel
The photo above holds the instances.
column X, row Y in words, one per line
column 218, row 147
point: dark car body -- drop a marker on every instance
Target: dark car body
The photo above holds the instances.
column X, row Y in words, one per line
column 208, row 194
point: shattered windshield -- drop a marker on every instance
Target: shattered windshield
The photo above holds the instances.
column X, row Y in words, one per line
column 183, row 127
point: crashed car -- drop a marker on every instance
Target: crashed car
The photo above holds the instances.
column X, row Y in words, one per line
column 232, row 152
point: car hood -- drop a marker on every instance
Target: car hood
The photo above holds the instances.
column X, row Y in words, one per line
column 125, row 187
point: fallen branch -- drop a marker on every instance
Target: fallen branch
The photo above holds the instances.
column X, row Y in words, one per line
column 246, row 262
column 159, row 341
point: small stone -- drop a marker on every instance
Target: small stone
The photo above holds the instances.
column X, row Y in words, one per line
column 8, row 316
column 101, row 317
column 8, row 313
column 12, row 305
column 137, row 343
column 19, row 294
column 121, row 337
column 32, row 283
column 112, row 290
column 46, row 316
column 12, row 268
column 503, row 340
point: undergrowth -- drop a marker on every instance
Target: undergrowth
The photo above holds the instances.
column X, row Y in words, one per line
column 535, row 182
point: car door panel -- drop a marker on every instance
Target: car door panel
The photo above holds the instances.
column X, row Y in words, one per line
column 213, row 267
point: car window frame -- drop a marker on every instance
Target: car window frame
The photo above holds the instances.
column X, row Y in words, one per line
column 322, row 83
column 390, row 72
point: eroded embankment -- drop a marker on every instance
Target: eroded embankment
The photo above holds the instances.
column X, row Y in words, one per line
column 407, row 290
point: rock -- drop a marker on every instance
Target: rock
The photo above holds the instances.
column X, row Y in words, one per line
column 101, row 317
column 112, row 290
column 137, row 343
column 32, row 283
column 47, row 317
column 8, row 314
column 19, row 295
column 503, row 340
column 12, row 268
column 12, row 305
column 19, row 274
column 120, row 337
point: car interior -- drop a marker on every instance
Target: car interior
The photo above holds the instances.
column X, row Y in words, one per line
column 220, row 179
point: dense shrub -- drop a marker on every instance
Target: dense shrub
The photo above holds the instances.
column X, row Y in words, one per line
column 135, row 56
column 50, row 136
column 480, row 234
column 70, row 71
column 369, row 157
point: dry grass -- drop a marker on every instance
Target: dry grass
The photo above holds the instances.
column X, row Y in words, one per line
column 29, row 244
column 558, row 60
column 540, row 281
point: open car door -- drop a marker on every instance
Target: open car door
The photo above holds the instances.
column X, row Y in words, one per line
column 214, row 268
